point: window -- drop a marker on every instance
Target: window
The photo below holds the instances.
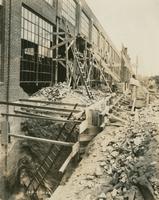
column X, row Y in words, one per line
column 36, row 55
column 102, row 44
column 95, row 35
column 69, row 11
column 51, row 2
column 85, row 25
column 107, row 46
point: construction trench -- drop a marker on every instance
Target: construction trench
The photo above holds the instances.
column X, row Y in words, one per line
column 82, row 137
column 93, row 149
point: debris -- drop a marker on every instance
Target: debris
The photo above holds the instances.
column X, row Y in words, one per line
column 102, row 196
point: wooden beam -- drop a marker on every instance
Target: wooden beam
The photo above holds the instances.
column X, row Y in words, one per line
column 116, row 118
column 72, row 42
column 62, row 43
column 41, row 117
column 41, row 107
column 61, row 143
column 75, row 150
column 42, row 111
column 50, row 102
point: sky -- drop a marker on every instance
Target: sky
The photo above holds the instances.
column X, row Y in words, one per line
column 135, row 23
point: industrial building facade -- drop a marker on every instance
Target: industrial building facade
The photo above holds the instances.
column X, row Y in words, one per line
column 37, row 39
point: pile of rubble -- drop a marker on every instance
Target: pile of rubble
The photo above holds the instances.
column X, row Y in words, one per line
column 64, row 93
column 120, row 164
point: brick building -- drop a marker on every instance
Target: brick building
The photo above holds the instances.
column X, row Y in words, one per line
column 28, row 34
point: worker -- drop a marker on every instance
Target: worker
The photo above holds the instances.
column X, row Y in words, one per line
column 133, row 86
column 114, row 87
column 152, row 86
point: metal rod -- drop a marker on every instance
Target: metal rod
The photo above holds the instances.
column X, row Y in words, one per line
column 41, row 107
column 67, row 144
column 41, row 117
column 50, row 102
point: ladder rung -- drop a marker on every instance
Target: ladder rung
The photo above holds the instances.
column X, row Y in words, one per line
column 44, row 170
column 45, row 163
column 53, row 153
column 38, row 173
column 58, row 148
column 50, row 158
column 37, row 180
column 64, row 136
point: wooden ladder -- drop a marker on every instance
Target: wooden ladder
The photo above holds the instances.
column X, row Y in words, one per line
column 48, row 162
column 83, row 75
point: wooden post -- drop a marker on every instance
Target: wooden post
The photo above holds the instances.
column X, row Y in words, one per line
column 78, row 17
column 66, row 46
column 4, row 143
column 57, row 51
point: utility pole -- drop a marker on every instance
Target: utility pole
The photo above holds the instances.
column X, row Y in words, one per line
column 137, row 65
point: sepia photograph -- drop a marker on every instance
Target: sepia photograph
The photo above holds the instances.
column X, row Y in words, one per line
column 79, row 99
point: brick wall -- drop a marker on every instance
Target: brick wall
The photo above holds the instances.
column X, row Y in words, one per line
column 43, row 9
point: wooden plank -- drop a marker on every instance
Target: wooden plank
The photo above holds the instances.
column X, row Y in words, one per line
column 116, row 118
column 133, row 105
column 83, row 126
column 75, row 150
column 50, row 102
column 62, row 43
column 61, row 143
column 41, row 117
column 41, row 107
column 43, row 111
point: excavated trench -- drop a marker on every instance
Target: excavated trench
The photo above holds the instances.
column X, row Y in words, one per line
column 31, row 154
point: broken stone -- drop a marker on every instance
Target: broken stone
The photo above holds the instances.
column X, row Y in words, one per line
column 102, row 196
column 114, row 193
column 109, row 196
column 137, row 141
column 114, row 154
column 89, row 177
column 102, row 164
column 98, row 171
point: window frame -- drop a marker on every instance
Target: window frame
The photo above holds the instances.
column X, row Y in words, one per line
column 85, row 32
column 69, row 16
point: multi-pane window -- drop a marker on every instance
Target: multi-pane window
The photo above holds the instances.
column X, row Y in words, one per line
column 85, row 25
column 95, row 36
column 107, row 46
column 37, row 40
column 51, row 2
column 69, row 10
column 117, row 58
column 102, row 44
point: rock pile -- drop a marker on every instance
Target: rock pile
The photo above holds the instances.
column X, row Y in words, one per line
column 120, row 164
column 63, row 92
column 55, row 93
column 130, row 161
